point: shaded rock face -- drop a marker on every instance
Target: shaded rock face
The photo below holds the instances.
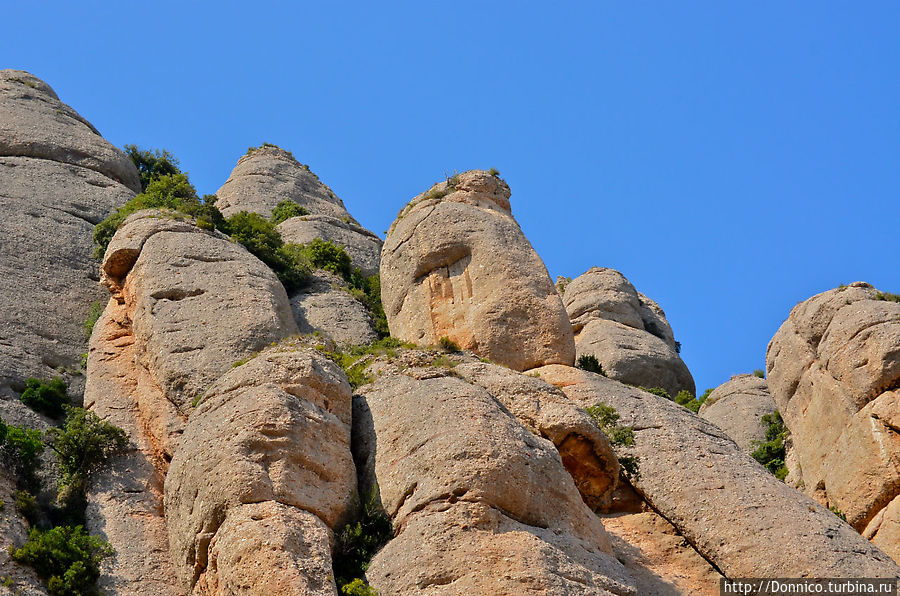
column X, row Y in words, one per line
column 58, row 178
column 14, row 531
column 627, row 332
column 722, row 501
column 363, row 246
column 737, row 407
column 325, row 306
column 480, row 504
column 263, row 471
column 269, row 175
column 834, row 371
column 456, row 264
column 185, row 305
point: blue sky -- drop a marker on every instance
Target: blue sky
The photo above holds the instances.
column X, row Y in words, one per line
column 731, row 159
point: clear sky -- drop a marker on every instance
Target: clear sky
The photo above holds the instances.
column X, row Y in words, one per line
column 730, row 158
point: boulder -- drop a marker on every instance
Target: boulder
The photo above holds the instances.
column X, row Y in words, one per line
column 627, row 332
column 834, row 370
column 263, row 471
column 325, row 305
column 35, row 123
column 737, row 407
column 721, row 500
column 363, row 246
column 58, row 178
column 456, row 264
column 268, row 175
column 479, row 503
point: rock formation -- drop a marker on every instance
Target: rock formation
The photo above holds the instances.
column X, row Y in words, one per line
column 268, row 175
column 480, row 504
column 723, row 502
column 58, row 177
column 627, row 332
column 737, row 407
column 186, row 304
column 456, row 264
column 834, row 371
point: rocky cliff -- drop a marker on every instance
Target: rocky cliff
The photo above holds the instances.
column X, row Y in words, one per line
column 278, row 443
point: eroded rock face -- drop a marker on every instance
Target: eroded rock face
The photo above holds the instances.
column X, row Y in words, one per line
column 456, row 264
column 627, row 332
column 58, row 178
column 363, row 246
column 722, row 501
column 834, row 371
column 269, row 175
column 737, row 407
column 325, row 305
column 479, row 503
column 185, row 305
column 274, row 433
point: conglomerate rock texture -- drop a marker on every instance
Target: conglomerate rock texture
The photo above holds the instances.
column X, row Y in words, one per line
column 58, row 178
column 721, row 500
column 834, row 370
column 737, row 407
column 627, row 332
column 456, row 264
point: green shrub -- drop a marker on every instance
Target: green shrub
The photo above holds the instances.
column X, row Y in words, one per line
column 657, row 391
column 448, row 345
column 83, row 447
column 66, row 557
column 285, row 210
column 607, row 419
column 359, row 541
column 494, row 172
column 172, row 191
column 21, row 449
column 46, row 397
column 87, row 326
column 27, row 506
column 562, row 283
column 759, row 373
column 887, row 296
column 590, row 363
column 324, row 254
column 260, row 236
column 838, row 512
column 358, row 588
column 252, row 149
column 705, row 395
column 152, row 164
column 686, row 398
column 770, row 453
column 371, row 298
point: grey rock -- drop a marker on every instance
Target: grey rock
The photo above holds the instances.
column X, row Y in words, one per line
column 325, row 305
column 35, row 123
column 363, row 246
column 737, row 407
column 269, row 175
column 721, row 500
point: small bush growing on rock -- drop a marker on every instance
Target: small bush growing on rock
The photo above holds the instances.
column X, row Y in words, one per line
column 172, row 191
column 87, row 326
column 21, row 449
column 27, row 506
column 770, row 453
column 324, row 254
column 494, row 172
column 250, row 150
column 887, row 296
column 686, row 398
column 46, row 397
column 83, row 447
column 66, row 557
column 358, row 588
column 838, row 512
column 759, row 373
column 152, row 164
column 358, row 542
column 607, row 419
column 590, row 363
column 290, row 262
column 285, row 210
column 657, row 391
column 448, row 345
